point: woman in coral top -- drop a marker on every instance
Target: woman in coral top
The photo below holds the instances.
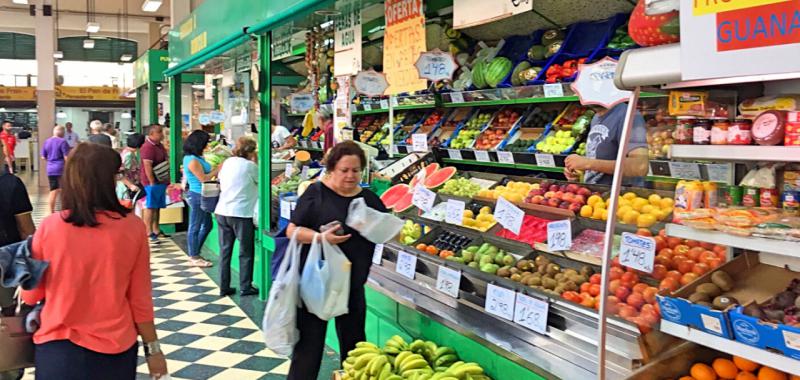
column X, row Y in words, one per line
column 97, row 290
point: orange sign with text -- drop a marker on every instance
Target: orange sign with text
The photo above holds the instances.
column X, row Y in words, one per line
column 17, row 93
column 404, row 40
column 63, row 93
column 704, row 7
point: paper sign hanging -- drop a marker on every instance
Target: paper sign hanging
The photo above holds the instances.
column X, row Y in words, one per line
column 468, row 13
column 595, row 84
column 301, row 103
column 436, row 65
column 371, row 83
column 403, row 41
column 347, row 38
column 282, row 41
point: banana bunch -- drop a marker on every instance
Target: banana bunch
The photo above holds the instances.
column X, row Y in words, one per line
column 366, row 361
column 408, row 364
column 395, row 345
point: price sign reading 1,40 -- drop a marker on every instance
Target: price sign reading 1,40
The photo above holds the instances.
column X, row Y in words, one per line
column 637, row 252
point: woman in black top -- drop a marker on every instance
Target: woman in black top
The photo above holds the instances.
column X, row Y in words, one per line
column 325, row 202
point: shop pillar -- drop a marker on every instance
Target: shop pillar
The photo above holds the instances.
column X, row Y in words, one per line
column 152, row 90
column 265, row 162
column 137, row 120
column 175, row 127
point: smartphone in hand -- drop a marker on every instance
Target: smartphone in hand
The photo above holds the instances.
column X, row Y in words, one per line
column 334, row 224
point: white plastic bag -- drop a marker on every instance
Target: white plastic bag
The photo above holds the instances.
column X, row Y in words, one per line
column 280, row 316
column 325, row 281
column 375, row 226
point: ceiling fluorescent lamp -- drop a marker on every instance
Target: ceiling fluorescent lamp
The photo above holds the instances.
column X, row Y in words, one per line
column 92, row 27
column 151, row 5
column 126, row 58
column 58, row 54
column 20, row 2
column 88, row 43
column 198, row 87
column 61, row 115
column 125, row 115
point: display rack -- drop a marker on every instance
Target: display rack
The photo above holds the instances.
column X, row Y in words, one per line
column 780, row 247
column 735, row 153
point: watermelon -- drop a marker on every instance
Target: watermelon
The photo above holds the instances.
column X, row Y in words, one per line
column 497, row 70
column 405, row 202
column 429, row 170
column 478, row 78
column 440, row 177
column 393, row 194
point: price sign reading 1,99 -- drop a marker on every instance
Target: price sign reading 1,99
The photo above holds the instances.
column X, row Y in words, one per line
column 637, row 252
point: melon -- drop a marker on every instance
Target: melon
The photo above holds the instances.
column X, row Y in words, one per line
column 405, row 202
column 440, row 177
column 478, row 78
column 429, row 171
column 393, row 194
column 497, row 70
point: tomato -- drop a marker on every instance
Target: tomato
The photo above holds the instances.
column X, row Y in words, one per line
column 688, row 277
column 612, row 305
column 636, row 300
column 649, row 315
column 664, row 261
column 644, row 232
column 640, row 322
column 706, row 256
column 640, row 287
column 588, row 301
column 715, row 263
column 692, row 243
column 674, row 275
column 649, row 294
column 615, row 273
column 668, row 284
column 572, row 296
column 682, row 249
column 595, row 279
column 627, row 311
column 695, row 252
column 673, row 242
column 630, row 277
column 594, row 290
column 722, row 255
column 686, row 266
column 701, row 269
column 613, row 285
column 663, row 233
column 422, row 247
column 706, row 245
column 661, row 243
column 622, row 293
column 668, row 252
column 676, row 261
column 659, row 272
column 615, row 262
column 720, row 249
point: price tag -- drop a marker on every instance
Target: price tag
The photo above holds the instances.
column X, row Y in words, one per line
column 419, row 142
column 531, row 313
column 711, row 323
column 482, row 156
column 423, row 198
column 454, row 154
column 353, row 108
column 553, row 90
column 384, row 104
column 436, row 65
column 454, row 212
column 684, row 170
column 637, row 252
column 508, row 215
column 500, row 301
column 377, row 255
column 394, row 149
column 457, row 97
column 505, row 157
column 367, row 107
column 719, row 172
column 406, row 265
column 559, row 235
column 545, row 160
column 448, row 281
column 370, row 83
column 288, row 170
column 286, row 210
column 394, row 101
column 304, row 173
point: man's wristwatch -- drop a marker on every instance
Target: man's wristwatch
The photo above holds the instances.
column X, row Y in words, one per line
column 151, row 348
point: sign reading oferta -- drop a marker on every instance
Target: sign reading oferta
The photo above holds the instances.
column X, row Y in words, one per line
column 404, row 41
column 347, row 38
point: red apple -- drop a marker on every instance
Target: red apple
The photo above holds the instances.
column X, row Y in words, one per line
column 572, row 188
column 537, row 199
column 575, row 207
column 550, row 194
column 569, row 197
column 559, row 195
column 584, row 191
column 580, row 199
column 554, row 188
column 622, row 293
column 552, row 202
column 564, row 205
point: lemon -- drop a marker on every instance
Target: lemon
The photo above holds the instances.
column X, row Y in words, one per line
column 660, row 215
column 655, row 200
column 586, row 211
column 630, row 196
column 486, row 210
column 514, row 198
column 645, row 221
column 484, row 218
column 594, row 199
column 468, row 214
column 648, row 209
column 468, row 222
column 605, row 215
column 624, row 202
column 667, row 203
column 623, row 210
column 638, row 203
column 630, row 217
column 598, row 213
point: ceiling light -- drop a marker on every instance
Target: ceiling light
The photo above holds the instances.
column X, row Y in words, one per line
column 126, row 58
column 58, row 54
column 125, row 115
column 19, row 1
column 88, row 43
column 61, row 115
column 198, row 87
column 92, row 27
column 151, row 5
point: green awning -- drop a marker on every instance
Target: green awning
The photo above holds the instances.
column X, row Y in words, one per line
column 209, row 52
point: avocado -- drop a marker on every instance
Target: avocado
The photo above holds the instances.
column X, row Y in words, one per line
column 551, row 36
column 536, row 53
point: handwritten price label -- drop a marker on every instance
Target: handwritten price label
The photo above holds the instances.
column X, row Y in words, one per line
column 482, row 156
column 457, row 97
column 304, row 173
column 371, row 83
column 367, row 107
column 531, row 313
column 436, row 65
column 508, row 215
column 637, row 252
column 553, row 90
column 406, row 265
column 377, row 255
column 288, row 170
column 454, row 212
column 419, row 142
column 423, row 198
column 505, row 157
column 545, row 160
column 500, row 301
column 384, row 104
column 454, row 154
column 559, row 235
column 719, row 172
column 448, row 281
column 684, row 170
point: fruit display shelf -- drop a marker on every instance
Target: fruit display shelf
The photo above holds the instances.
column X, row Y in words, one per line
column 779, row 247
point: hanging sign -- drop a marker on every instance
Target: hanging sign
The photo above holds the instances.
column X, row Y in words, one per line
column 637, row 252
column 217, row 117
column 759, row 36
column 595, row 84
column 403, row 41
column 468, row 13
column 301, row 103
column 347, row 38
column 282, row 41
column 371, row 83
column 342, row 112
column 436, row 65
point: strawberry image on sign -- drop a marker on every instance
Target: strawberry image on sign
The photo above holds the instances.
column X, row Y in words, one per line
column 655, row 22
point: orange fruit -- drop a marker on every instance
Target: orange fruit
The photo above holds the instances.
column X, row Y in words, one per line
column 744, row 364
column 794, row 377
column 725, row 368
column 767, row 373
column 687, row 378
column 744, row 375
column 702, row 371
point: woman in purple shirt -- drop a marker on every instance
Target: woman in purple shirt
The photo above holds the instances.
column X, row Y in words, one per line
column 55, row 151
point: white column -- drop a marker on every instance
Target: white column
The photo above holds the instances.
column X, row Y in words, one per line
column 179, row 10
column 46, row 73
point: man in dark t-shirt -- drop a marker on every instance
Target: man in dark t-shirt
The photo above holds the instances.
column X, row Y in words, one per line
column 153, row 153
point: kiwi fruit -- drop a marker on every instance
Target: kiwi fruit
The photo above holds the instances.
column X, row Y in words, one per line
column 560, row 277
column 709, row 288
column 570, row 285
column 541, row 260
column 503, row 272
column 534, row 281
column 559, row 289
column 587, row 271
column 723, row 280
column 542, row 269
column 537, row 275
column 553, row 269
column 516, row 277
column 514, row 270
column 723, row 301
column 524, row 265
column 570, row 272
column 549, row 283
column 699, row 297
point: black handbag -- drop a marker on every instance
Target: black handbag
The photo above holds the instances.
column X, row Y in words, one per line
column 17, row 343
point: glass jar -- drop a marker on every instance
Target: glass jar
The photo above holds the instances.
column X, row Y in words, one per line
column 719, row 132
column 701, row 133
column 739, row 132
column 683, row 130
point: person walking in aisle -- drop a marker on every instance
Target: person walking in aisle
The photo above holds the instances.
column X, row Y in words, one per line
column 130, row 161
column 196, row 171
column 322, row 203
column 111, row 132
column 9, row 144
column 96, row 135
column 238, row 180
column 72, row 138
column 153, row 154
column 97, row 289
column 55, row 151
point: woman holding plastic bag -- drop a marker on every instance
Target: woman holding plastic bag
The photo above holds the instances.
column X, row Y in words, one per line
column 321, row 214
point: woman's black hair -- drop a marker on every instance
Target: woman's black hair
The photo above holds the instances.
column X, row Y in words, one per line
column 135, row 141
column 195, row 143
column 345, row 148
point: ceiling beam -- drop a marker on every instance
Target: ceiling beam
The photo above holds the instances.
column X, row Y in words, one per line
column 141, row 16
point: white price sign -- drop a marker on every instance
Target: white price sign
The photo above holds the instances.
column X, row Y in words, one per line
column 468, row 13
column 423, row 198
column 406, row 265
column 419, row 142
column 377, row 254
column 454, row 212
column 394, row 101
column 457, row 97
column 545, row 160
column 719, row 172
column 595, row 84
column 301, row 103
column 371, row 83
column 454, row 154
column 505, row 157
column 559, row 235
column 304, row 173
column 500, row 301
column 367, row 107
column 288, row 170
column 685, row 170
column 448, row 281
column 553, row 90
column 482, row 156
column 508, row 215
column 286, row 209
column 637, row 252
column 384, row 104
column 531, row 313
column 436, row 65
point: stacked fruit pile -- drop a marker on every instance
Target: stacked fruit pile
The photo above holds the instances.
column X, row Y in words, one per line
column 542, row 274
column 483, row 222
column 446, row 241
column 737, row 368
column 498, row 131
column 470, row 131
column 569, row 197
column 486, row 258
column 398, row 360
column 643, row 212
column 512, row 191
column 681, row 261
column 410, row 233
column 532, row 231
column 556, row 142
column 596, row 208
column 460, row 187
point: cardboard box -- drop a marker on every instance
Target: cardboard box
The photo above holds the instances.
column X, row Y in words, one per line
column 172, row 214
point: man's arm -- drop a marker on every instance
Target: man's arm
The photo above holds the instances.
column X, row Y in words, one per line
column 25, row 225
column 635, row 164
column 148, row 171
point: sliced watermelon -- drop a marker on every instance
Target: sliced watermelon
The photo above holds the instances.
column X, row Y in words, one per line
column 393, row 194
column 405, row 202
column 429, row 171
column 440, row 177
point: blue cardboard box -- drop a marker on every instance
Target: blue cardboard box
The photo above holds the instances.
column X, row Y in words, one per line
column 765, row 335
